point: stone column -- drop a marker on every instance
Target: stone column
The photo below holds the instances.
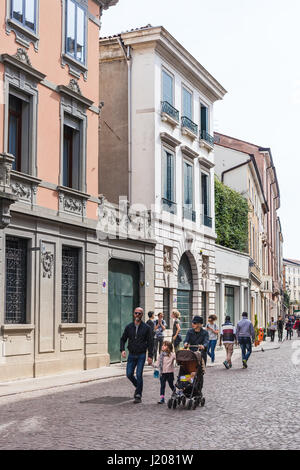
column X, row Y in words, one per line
column 241, row 301
column 222, row 301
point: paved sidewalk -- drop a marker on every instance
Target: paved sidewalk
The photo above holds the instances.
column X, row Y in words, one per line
column 17, row 387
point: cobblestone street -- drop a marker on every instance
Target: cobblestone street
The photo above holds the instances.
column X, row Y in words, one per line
column 256, row 408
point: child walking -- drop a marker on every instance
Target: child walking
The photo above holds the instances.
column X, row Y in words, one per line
column 165, row 363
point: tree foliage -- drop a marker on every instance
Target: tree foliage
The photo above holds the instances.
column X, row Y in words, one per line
column 231, row 212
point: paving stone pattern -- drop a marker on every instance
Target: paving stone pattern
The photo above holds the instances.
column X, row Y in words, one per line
column 256, row 408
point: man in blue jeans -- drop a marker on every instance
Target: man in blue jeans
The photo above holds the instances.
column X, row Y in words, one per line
column 245, row 334
column 140, row 339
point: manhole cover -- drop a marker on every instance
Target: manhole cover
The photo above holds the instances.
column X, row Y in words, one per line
column 107, row 400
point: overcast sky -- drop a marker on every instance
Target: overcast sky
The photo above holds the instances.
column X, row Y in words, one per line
column 252, row 48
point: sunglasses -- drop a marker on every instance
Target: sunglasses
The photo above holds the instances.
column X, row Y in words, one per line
column 138, row 313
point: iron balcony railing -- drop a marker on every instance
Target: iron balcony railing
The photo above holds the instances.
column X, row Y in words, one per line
column 207, row 137
column 169, row 206
column 207, row 221
column 188, row 213
column 188, row 124
column 170, row 110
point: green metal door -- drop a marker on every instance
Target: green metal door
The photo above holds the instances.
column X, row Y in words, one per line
column 185, row 294
column 185, row 305
column 123, row 298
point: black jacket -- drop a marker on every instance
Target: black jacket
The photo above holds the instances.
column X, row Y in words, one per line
column 140, row 342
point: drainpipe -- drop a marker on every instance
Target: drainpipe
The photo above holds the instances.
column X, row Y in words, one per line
column 128, row 57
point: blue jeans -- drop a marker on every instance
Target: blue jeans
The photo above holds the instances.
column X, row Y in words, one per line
column 211, row 349
column 136, row 361
column 246, row 347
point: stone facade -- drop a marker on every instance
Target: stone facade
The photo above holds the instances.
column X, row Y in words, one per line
column 265, row 235
column 133, row 138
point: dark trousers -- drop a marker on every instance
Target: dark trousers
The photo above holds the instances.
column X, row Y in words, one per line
column 280, row 334
column 289, row 334
column 164, row 378
column 246, row 347
column 157, row 346
column 136, row 361
column 272, row 332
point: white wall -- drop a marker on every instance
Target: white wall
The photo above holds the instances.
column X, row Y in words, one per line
column 231, row 263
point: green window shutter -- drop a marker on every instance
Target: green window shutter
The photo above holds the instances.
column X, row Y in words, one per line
column 205, row 195
column 204, row 118
column 188, row 185
column 168, row 176
column 187, row 103
column 167, row 88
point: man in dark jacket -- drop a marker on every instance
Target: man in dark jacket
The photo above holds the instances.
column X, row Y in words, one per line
column 140, row 339
column 197, row 336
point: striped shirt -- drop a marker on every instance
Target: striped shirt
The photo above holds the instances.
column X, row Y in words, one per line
column 228, row 332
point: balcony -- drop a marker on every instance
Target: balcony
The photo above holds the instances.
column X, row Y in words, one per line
column 169, row 206
column 207, row 221
column 169, row 113
column 189, row 214
column 206, row 140
column 189, row 127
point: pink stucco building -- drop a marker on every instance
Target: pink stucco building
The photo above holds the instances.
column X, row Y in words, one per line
column 51, row 314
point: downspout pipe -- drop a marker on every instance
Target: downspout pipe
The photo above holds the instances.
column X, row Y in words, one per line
column 128, row 57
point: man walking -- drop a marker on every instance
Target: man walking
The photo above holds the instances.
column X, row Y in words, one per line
column 245, row 334
column 280, row 325
column 197, row 336
column 228, row 336
column 140, row 339
column 273, row 328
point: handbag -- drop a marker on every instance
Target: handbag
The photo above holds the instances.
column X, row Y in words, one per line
column 177, row 340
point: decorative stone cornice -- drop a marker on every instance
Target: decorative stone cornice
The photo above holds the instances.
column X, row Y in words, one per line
column 72, row 90
column 20, row 60
column 171, row 50
column 169, row 139
column 189, row 152
column 206, row 163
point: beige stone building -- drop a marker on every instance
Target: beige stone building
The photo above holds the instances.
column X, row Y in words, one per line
column 157, row 149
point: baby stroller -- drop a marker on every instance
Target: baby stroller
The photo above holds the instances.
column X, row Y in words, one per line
column 189, row 381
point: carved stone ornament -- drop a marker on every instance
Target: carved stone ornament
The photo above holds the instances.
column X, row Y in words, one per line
column 205, row 267
column 47, row 264
column 73, row 205
column 22, row 56
column 167, row 260
column 22, row 191
column 73, row 85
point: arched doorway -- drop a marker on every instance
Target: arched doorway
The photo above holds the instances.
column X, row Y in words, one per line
column 185, row 294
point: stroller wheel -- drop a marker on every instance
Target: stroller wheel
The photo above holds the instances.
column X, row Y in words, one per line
column 174, row 404
column 202, row 403
column 179, row 400
column 183, row 401
column 190, row 404
column 195, row 403
column 170, row 403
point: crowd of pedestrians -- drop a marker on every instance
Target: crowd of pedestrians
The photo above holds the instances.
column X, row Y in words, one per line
column 147, row 340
